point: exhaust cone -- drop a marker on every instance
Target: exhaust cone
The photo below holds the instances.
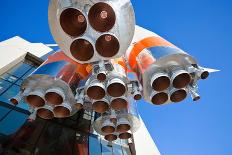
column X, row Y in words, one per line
column 35, row 99
column 204, row 75
column 45, row 113
column 110, row 137
column 123, row 125
column 55, row 96
column 73, row 22
column 107, row 45
column 125, row 135
column 119, row 103
column 159, row 98
column 181, row 79
column 82, row 50
column 62, row 111
column 100, row 106
column 96, row 91
column 160, row 82
column 178, row 95
column 101, row 76
column 102, row 17
column 108, row 127
column 116, row 87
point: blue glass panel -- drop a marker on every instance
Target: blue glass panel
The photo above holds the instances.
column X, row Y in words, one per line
column 12, row 122
column 94, row 145
column 23, row 105
column 29, row 72
column 117, row 149
column 19, row 70
column 19, row 82
column 11, row 92
column 3, row 111
column 45, row 57
column 106, row 150
column 4, row 85
column 9, row 77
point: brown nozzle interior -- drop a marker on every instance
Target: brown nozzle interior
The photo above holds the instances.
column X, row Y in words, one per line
column 54, row 98
column 123, row 128
column 96, row 92
column 161, row 83
column 118, row 104
column 100, row 106
column 102, row 17
column 181, row 80
column 14, row 101
column 35, row 100
column 45, row 113
column 82, row 50
column 101, row 76
column 178, row 95
column 73, row 22
column 110, row 137
column 61, row 112
column 107, row 45
column 108, row 129
column 159, row 98
column 116, row 89
column 125, row 135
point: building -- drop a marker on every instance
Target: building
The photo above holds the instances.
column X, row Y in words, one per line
column 70, row 136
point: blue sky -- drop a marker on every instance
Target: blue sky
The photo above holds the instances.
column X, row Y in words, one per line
column 203, row 28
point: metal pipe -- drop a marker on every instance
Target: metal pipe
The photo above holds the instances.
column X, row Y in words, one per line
column 158, row 98
column 193, row 92
column 55, row 96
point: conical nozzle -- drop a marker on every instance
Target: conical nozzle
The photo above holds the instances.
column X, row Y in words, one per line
column 63, row 110
column 82, row 49
column 101, row 76
column 125, row 135
column 111, row 137
column 119, row 103
column 116, row 87
column 45, row 112
column 178, row 95
column 123, row 125
column 108, row 126
column 36, row 98
column 159, row 98
column 102, row 17
column 73, row 22
column 160, row 81
column 101, row 106
column 107, row 45
column 96, row 90
column 16, row 99
column 55, row 96
column 180, row 78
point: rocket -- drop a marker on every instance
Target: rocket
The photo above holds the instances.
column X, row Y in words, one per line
column 106, row 64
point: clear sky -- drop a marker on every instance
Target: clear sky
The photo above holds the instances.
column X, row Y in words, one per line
column 203, row 28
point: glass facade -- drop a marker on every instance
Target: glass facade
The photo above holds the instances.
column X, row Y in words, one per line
column 69, row 136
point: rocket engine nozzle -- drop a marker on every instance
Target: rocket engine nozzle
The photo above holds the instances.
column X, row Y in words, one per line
column 73, row 22
column 63, row 110
column 96, row 90
column 102, row 17
column 110, row 137
column 125, row 135
column 45, row 112
column 178, row 95
column 159, row 98
column 55, row 96
column 116, row 87
column 123, row 125
column 101, row 106
column 108, row 127
column 36, row 98
column 180, row 78
column 160, row 81
column 119, row 103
